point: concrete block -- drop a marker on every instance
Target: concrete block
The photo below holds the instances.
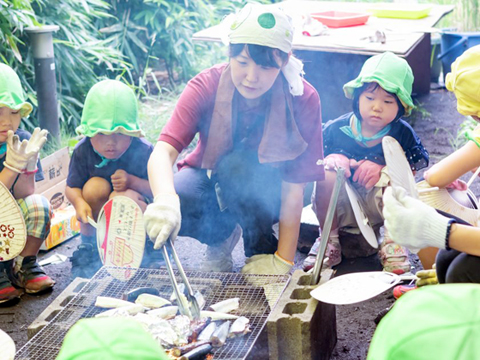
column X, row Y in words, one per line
column 300, row 327
column 56, row 306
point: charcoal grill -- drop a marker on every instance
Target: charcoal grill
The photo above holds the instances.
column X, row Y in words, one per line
column 258, row 295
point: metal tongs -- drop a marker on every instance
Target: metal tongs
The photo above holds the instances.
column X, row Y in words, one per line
column 187, row 303
column 327, row 226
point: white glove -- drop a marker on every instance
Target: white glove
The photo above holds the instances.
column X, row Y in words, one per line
column 412, row 223
column 162, row 219
column 38, row 139
column 18, row 153
column 267, row 265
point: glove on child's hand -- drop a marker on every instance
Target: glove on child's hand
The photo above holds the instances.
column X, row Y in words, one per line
column 38, row 139
column 18, row 153
column 163, row 219
column 412, row 223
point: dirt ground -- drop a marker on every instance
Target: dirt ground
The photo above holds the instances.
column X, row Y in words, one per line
column 355, row 323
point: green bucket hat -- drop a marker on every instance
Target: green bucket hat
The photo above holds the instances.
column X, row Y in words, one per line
column 11, row 92
column 110, row 107
column 432, row 322
column 110, row 339
column 391, row 72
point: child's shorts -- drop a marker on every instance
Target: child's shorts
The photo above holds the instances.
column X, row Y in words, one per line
column 37, row 214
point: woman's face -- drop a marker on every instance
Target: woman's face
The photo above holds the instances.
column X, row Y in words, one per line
column 250, row 79
column 111, row 146
column 378, row 108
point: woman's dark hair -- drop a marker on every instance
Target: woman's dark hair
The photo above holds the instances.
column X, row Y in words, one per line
column 262, row 55
column 358, row 91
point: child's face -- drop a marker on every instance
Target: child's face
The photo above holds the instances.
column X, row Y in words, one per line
column 377, row 107
column 111, row 146
column 250, row 79
column 9, row 120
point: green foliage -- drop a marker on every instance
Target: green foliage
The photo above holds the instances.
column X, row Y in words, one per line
column 458, row 140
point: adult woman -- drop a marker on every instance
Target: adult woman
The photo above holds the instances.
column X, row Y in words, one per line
column 259, row 126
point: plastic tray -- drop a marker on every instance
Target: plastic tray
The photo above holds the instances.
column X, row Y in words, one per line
column 336, row 19
column 400, row 11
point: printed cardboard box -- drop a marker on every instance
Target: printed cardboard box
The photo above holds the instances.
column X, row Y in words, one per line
column 64, row 226
column 64, row 222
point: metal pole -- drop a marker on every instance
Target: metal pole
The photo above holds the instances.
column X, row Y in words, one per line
column 45, row 79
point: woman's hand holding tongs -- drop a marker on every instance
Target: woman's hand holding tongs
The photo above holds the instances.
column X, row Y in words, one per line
column 163, row 219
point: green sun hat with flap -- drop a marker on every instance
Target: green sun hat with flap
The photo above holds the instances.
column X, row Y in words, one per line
column 112, row 338
column 11, row 92
column 391, row 72
column 440, row 322
column 110, row 107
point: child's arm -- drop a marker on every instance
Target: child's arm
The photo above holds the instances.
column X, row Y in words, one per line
column 82, row 209
column 7, row 177
column 453, row 166
column 122, row 181
column 25, row 186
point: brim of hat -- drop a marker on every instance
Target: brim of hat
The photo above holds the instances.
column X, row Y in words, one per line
column 118, row 130
column 25, row 108
column 406, row 100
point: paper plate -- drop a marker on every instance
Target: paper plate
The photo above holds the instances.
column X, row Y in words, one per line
column 13, row 233
column 355, row 287
column 362, row 220
column 121, row 234
column 7, row 346
column 399, row 170
column 452, row 202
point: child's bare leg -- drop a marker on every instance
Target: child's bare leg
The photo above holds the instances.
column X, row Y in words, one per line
column 32, row 246
column 96, row 192
column 132, row 194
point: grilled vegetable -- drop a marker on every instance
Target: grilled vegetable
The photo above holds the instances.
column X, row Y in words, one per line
column 132, row 295
column 207, row 333
column 177, row 351
column 239, row 327
column 152, row 301
column 197, row 352
column 217, row 315
column 197, row 326
column 220, row 335
column 226, row 306
column 109, row 302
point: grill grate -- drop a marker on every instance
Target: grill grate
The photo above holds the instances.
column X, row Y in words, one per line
column 258, row 295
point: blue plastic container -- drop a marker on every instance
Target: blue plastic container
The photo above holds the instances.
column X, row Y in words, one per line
column 453, row 45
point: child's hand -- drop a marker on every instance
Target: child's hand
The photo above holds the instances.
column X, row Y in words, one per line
column 83, row 210
column 120, row 180
column 457, row 185
column 334, row 161
column 367, row 173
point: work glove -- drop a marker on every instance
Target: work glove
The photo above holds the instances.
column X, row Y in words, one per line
column 335, row 161
column 162, row 219
column 412, row 223
column 426, row 277
column 38, row 139
column 267, row 264
column 367, row 173
column 18, row 153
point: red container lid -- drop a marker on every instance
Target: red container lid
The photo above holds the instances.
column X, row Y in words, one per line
column 336, row 19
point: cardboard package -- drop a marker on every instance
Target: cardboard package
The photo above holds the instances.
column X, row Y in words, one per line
column 64, row 223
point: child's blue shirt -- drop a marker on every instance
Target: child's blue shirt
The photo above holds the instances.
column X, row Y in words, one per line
column 336, row 141
column 82, row 165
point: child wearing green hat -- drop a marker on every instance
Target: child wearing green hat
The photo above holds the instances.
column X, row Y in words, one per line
column 417, row 225
column 19, row 169
column 381, row 96
column 111, row 160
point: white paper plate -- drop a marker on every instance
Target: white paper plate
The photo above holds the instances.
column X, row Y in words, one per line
column 362, row 220
column 355, row 287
